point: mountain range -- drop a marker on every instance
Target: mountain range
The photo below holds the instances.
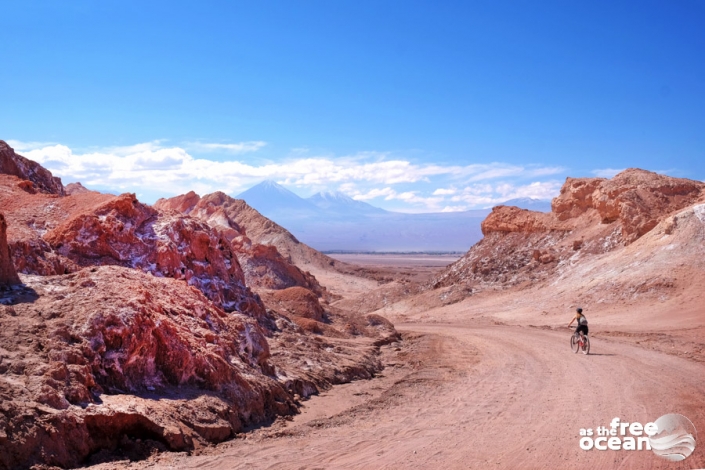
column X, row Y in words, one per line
column 333, row 221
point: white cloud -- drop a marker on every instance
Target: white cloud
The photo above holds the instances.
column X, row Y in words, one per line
column 453, row 209
column 487, row 195
column 413, row 197
column 241, row 147
column 387, row 193
column 153, row 166
column 409, row 197
column 444, row 191
column 607, row 172
column 156, row 168
column 537, row 190
column 501, row 170
column 21, row 146
column 152, row 146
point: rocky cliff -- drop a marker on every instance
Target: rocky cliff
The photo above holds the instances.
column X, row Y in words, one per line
column 125, row 232
column 636, row 199
column 88, row 358
column 39, row 178
column 259, row 230
column 591, row 216
column 8, row 275
column 263, row 264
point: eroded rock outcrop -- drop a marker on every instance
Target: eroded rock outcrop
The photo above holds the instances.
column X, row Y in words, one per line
column 8, row 275
column 263, row 265
column 110, row 359
column 513, row 219
column 638, row 199
column 75, row 188
column 59, row 235
column 86, row 358
column 31, row 215
column 297, row 301
column 38, row 178
column 263, row 231
column 591, row 216
column 125, row 232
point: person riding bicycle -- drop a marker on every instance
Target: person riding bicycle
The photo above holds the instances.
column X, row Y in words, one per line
column 582, row 322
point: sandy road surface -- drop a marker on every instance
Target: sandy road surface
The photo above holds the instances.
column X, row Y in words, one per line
column 478, row 395
column 419, row 260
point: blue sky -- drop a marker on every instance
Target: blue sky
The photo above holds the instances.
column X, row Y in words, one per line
column 414, row 106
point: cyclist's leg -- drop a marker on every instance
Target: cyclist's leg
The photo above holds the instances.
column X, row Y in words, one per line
column 582, row 329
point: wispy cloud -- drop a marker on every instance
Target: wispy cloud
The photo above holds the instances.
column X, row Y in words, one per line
column 410, row 197
column 386, row 193
column 21, row 146
column 487, row 195
column 241, row 147
column 487, row 171
column 368, row 176
column 607, row 172
column 479, row 195
column 444, row 191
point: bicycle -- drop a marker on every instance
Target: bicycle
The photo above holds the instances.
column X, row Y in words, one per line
column 579, row 342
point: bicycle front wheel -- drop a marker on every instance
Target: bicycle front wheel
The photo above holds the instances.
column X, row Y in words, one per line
column 574, row 344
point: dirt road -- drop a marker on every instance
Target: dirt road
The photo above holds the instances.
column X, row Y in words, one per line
column 478, row 395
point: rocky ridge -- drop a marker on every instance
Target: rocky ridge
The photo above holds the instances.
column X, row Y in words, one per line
column 75, row 188
column 36, row 177
column 263, row 265
column 590, row 217
column 125, row 232
column 85, row 356
column 635, row 198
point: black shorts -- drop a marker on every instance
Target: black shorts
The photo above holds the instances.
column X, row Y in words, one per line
column 582, row 328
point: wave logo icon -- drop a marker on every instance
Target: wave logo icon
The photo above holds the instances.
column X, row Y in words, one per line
column 675, row 438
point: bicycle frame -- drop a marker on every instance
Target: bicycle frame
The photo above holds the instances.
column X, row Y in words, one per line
column 580, row 342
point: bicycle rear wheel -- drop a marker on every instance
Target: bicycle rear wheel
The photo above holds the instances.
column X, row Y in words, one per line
column 586, row 345
column 574, row 344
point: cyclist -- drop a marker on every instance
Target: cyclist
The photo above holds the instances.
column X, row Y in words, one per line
column 582, row 322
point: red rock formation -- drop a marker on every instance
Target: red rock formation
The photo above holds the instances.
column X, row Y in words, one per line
column 183, row 203
column 125, row 232
column 590, row 216
column 638, row 199
column 99, row 358
column 75, row 188
column 106, row 337
column 8, row 275
column 263, row 265
column 512, row 219
column 30, row 216
column 17, row 165
column 297, row 301
column 263, row 231
column 576, row 197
